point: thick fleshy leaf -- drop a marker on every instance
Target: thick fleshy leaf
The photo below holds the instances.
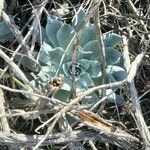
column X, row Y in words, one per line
column 99, row 80
column 56, row 55
column 111, row 95
column 67, row 84
column 49, row 55
column 78, row 18
column 65, row 35
column 43, row 54
column 91, row 50
column 5, row 32
column 112, row 56
column 120, row 100
column 67, row 77
column 110, row 78
column 117, row 72
column 85, row 64
column 52, row 27
column 84, row 82
column 92, row 53
column 94, row 69
column 80, row 53
column 28, row 62
column 65, row 69
column 62, row 95
column 88, row 34
column 4, row 29
column 111, row 39
column 6, row 37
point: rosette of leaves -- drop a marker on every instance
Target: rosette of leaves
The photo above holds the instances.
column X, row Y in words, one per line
column 57, row 37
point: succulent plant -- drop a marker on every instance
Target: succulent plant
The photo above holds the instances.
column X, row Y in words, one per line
column 56, row 38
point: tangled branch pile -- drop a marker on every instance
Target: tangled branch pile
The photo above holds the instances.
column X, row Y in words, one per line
column 74, row 74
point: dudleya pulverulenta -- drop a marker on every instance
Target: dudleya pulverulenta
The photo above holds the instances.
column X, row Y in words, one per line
column 56, row 39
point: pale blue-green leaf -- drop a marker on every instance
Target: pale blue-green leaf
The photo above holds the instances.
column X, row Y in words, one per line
column 111, row 95
column 110, row 78
column 92, row 53
column 5, row 32
column 63, row 95
column 112, row 56
column 79, row 53
column 4, row 29
column 64, row 35
column 49, row 55
column 52, row 27
column 97, row 81
column 43, row 54
column 65, row 69
column 121, row 62
column 78, row 18
column 56, row 55
column 91, row 50
column 67, row 79
column 66, row 86
column 85, row 64
column 6, row 37
column 84, row 82
column 120, row 75
column 28, row 63
column 80, row 87
column 120, row 100
column 117, row 72
column 87, row 35
column 94, row 69
column 43, row 76
column 111, row 39
column 69, row 53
